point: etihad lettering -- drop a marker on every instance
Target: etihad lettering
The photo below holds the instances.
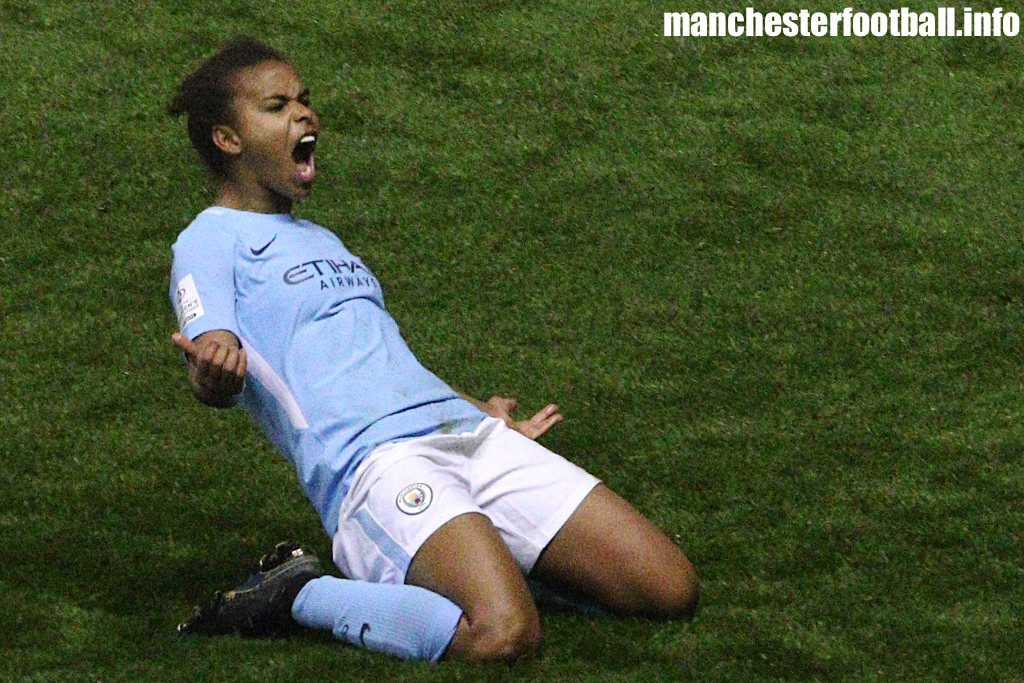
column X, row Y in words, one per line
column 319, row 267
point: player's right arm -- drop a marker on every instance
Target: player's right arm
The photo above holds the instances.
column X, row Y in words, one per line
column 202, row 292
column 216, row 366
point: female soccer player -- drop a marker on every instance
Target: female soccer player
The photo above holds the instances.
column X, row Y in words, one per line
column 439, row 505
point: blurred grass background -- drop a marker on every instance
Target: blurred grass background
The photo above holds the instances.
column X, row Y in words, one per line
column 775, row 285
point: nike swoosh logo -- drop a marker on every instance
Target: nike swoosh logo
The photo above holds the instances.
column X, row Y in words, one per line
column 257, row 252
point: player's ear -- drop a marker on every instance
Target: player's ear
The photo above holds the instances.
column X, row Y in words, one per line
column 226, row 139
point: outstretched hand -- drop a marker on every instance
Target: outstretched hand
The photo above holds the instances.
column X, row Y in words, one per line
column 535, row 427
column 216, row 371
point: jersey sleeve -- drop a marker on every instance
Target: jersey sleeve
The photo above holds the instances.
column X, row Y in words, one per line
column 203, row 280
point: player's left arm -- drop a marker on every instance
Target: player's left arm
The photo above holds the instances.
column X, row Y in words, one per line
column 502, row 408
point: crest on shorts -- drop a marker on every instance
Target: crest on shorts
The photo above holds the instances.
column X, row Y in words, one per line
column 414, row 499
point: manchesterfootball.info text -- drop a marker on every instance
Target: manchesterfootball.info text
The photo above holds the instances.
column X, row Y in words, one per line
column 944, row 22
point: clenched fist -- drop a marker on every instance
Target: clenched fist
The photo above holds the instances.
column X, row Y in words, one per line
column 216, row 369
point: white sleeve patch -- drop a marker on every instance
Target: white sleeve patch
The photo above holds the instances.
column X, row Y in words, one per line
column 187, row 303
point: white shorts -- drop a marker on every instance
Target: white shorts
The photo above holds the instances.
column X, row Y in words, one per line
column 406, row 490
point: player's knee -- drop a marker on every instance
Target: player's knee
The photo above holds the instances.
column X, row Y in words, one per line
column 509, row 635
column 676, row 593
column 515, row 643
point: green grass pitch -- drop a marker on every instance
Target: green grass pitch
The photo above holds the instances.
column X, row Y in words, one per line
column 776, row 285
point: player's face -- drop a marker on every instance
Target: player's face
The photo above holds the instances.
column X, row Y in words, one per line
column 277, row 131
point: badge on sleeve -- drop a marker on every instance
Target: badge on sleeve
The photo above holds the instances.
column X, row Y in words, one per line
column 187, row 303
column 414, row 499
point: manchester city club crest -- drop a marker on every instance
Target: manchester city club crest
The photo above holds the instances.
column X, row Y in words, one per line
column 414, row 499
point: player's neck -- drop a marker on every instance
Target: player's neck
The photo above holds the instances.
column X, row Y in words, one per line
column 249, row 197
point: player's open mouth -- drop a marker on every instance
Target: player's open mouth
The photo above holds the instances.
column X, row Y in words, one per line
column 303, row 155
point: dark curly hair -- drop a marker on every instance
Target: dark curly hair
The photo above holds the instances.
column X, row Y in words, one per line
column 205, row 95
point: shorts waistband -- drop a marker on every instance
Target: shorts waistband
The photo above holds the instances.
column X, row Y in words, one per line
column 387, row 454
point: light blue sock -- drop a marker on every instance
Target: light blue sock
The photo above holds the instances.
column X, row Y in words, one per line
column 407, row 621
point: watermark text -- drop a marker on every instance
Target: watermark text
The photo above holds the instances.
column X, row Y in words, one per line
column 948, row 22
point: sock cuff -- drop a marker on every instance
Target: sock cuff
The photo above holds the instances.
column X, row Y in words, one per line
column 441, row 627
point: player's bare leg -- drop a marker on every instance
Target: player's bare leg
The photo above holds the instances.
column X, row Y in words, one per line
column 609, row 552
column 467, row 562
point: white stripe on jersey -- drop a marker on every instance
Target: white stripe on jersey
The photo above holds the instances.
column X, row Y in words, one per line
column 262, row 371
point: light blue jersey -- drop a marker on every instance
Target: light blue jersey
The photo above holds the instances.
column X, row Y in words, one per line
column 329, row 375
